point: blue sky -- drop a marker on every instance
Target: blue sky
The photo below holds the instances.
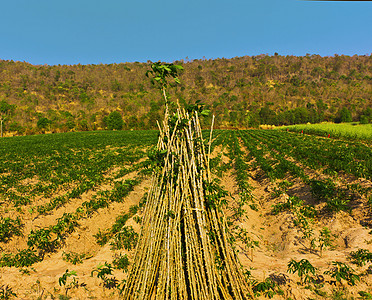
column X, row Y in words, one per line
column 113, row 31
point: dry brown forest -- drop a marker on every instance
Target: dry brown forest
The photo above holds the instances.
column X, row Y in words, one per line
column 242, row 92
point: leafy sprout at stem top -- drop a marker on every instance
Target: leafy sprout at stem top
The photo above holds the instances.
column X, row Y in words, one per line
column 161, row 72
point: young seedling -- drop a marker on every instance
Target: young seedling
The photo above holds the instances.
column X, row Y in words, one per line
column 303, row 268
column 6, row 292
column 102, row 272
column 121, row 262
column 304, row 223
column 343, row 271
column 360, row 257
column 266, row 288
column 325, row 240
column 9, row 228
column 74, row 258
column 63, row 280
column 243, row 235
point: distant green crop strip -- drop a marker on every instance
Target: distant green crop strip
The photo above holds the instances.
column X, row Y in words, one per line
column 352, row 131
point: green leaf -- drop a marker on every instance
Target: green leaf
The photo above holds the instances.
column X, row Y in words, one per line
column 205, row 112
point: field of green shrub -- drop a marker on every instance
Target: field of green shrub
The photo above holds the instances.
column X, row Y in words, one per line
column 42, row 174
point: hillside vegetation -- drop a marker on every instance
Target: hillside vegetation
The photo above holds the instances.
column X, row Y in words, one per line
column 242, row 92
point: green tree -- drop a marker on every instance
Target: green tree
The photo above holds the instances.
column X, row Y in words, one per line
column 364, row 119
column 344, row 115
column 267, row 115
column 114, row 121
column 301, row 115
column 6, row 110
column 43, row 122
column 366, row 116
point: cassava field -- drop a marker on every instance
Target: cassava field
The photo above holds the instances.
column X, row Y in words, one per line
column 298, row 207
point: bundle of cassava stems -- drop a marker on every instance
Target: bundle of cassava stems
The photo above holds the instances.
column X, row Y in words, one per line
column 184, row 250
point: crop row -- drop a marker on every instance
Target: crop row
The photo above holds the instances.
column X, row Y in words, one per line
column 63, row 167
column 267, row 151
column 351, row 157
column 48, row 239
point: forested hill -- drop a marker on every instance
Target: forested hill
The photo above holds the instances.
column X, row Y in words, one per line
column 241, row 92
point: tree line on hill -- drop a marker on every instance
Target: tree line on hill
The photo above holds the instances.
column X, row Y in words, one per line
column 242, row 92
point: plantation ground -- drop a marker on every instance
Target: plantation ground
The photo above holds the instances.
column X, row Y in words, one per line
column 73, row 193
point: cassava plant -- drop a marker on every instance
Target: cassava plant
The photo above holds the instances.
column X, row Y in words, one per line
column 104, row 272
column 267, row 288
column 6, row 292
column 360, row 257
column 62, row 281
column 341, row 271
column 121, row 262
column 10, row 227
column 325, row 240
column 303, row 268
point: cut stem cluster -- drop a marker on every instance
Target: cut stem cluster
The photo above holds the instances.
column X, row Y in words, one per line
column 183, row 250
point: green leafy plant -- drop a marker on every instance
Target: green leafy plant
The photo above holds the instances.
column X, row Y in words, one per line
column 133, row 209
column 305, row 225
column 266, row 288
column 303, row 268
column 215, row 194
column 365, row 295
column 339, row 294
column 9, row 228
column 74, row 258
column 42, row 239
column 242, row 235
column 323, row 190
column 102, row 272
column 126, row 238
column 6, row 292
column 63, row 280
column 291, row 203
column 121, row 262
column 102, row 237
column 338, row 203
column 137, row 219
column 341, row 271
column 336, row 199
column 325, row 240
column 282, row 188
column 23, row 258
column 360, row 257
column 160, row 73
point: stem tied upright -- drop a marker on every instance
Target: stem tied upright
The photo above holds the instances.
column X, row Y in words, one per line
column 183, row 250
